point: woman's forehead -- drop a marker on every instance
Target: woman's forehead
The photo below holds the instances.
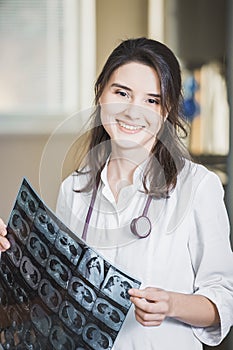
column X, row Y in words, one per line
column 136, row 75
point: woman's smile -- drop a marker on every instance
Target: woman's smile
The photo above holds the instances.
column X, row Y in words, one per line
column 129, row 128
column 131, row 106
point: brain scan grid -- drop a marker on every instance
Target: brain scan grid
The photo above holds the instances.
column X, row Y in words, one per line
column 55, row 291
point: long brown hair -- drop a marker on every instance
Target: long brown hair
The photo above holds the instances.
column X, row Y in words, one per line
column 168, row 152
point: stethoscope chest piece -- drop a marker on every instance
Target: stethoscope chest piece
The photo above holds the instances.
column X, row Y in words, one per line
column 141, row 226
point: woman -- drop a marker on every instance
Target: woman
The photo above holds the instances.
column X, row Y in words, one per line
column 135, row 166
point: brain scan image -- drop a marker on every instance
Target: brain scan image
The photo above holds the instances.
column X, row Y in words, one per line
column 96, row 338
column 56, row 292
column 30, row 273
column 60, row 340
column 41, row 319
column 15, row 251
column 19, row 225
column 58, row 271
column 83, row 294
column 92, row 267
column 50, row 295
column 108, row 314
column 46, row 225
column 73, row 318
column 27, row 202
column 38, row 249
column 67, row 246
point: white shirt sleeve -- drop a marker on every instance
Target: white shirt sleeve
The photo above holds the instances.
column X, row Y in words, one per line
column 212, row 257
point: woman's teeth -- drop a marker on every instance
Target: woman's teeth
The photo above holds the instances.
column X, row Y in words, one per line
column 129, row 127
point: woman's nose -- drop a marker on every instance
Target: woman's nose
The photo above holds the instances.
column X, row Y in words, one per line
column 134, row 110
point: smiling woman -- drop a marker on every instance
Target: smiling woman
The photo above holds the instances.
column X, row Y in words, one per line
column 131, row 117
column 138, row 89
column 129, row 114
column 137, row 99
column 135, row 166
column 139, row 200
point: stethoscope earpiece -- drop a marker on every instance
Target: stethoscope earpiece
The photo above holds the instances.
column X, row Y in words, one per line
column 141, row 226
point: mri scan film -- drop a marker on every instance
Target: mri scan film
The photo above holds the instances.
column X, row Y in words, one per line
column 56, row 292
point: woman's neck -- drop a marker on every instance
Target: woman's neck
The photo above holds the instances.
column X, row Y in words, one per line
column 121, row 168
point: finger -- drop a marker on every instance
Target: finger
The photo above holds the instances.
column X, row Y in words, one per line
column 142, row 304
column 139, row 293
column 149, row 307
column 4, row 244
column 3, row 230
column 150, row 293
column 149, row 320
column 151, row 315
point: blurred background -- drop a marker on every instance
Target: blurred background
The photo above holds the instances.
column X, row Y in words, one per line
column 50, row 54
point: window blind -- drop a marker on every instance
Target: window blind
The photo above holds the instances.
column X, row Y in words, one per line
column 41, row 57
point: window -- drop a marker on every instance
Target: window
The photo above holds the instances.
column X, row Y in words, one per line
column 43, row 60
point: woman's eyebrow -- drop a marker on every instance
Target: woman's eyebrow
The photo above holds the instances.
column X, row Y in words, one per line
column 154, row 95
column 121, row 86
column 128, row 89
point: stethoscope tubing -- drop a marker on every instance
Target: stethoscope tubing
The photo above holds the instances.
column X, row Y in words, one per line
column 90, row 210
column 133, row 225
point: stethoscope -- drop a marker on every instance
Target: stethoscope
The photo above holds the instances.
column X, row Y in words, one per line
column 140, row 226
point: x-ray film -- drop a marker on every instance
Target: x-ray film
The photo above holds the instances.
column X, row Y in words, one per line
column 55, row 291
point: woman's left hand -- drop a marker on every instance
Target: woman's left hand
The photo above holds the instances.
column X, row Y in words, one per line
column 152, row 305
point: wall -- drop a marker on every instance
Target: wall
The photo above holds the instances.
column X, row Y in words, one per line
column 116, row 21
column 21, row 155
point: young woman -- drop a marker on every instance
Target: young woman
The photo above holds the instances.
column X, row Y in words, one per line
column 141, row 202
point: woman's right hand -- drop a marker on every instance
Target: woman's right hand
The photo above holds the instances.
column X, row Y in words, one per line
column 4, row 243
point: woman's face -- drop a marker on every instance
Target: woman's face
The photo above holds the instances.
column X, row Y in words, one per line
column 131, row 106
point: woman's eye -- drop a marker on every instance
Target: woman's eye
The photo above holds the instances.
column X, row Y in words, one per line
column 153, row 101
column 122, row 93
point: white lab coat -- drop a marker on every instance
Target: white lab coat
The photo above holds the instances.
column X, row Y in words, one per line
column 188, row 250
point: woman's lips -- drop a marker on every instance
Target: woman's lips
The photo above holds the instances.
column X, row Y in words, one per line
column 129, row 127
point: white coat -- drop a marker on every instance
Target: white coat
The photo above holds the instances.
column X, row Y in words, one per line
column 188, row 250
